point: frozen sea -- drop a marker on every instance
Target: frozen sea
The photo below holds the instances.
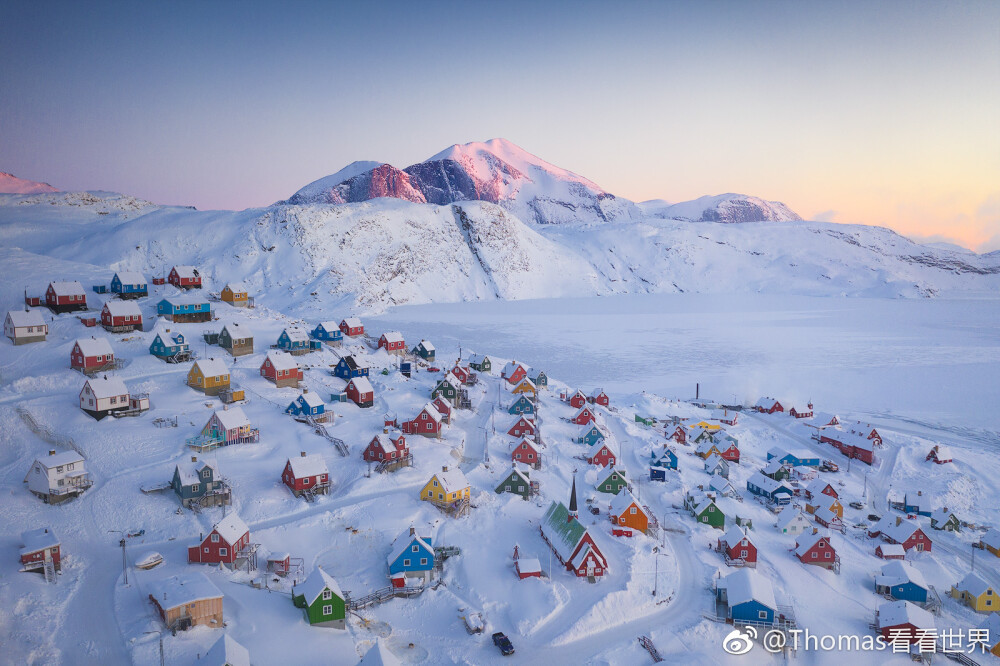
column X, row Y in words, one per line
column 927, row 360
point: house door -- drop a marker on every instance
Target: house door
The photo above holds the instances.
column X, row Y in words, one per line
column 590, row 569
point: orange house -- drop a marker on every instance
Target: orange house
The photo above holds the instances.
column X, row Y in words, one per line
column 627, row 514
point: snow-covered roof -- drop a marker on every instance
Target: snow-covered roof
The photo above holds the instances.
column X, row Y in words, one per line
column 379, row 655
column 817, row 486
column 232, row 418
column 393, row 336
column 941, row 515
column 477, row 358
column 529, row 565
column 827, row 514
column 182, row 589
column 103, row 387
column 622, row 501
column 897, row 613
column 605, row 473
column 355, row 363
column 714, row 460
column 748, row 585
column 721, row 485
column 59, row 459
column 297, row 334
column 236, row 287
column 231, row 528
column 583, row 409
column 432, row 412
column 972, row 584
column 329, row 326
column 805, row 542
column 581, row 556
column 131, row 277
column 404, row 540
column 227, row 652
column 898, row 572
column 211, row 367
column 992, row 626
column 596, row 392
column 237, row 330
column 314, row 585
column 352, row 322
column 766, row 403
column 281, row 360
column 766, row 483
column 992, row 538
column 734, row 535
column 311, row 465
column 36, row 540
column 185, row 271
column 823, row 418
column 122, row 308
column 528, row 383
column 361, row 385
column 789, row 515
column 720, row 414
column 95, row 346
column 773, row 466
column 66, row 288
column 178, row 301
column 385, row 441
column 452, row 479
column 902, row 531
column 943, row 452
column 189, row 473
column 312, row 399
column 511, row 367
column 892, row 550
column 20, row 318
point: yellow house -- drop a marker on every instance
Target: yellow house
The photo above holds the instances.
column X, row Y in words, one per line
column 526, row 387
column 446, row 488
column 992, row 627
column 208, row 376
column 706, row 425
column 235, row 293
column 991, row 541
column 706, row 449
column 820, row 501
column 975, row 593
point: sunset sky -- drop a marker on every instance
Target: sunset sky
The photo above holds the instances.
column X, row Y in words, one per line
column 884, row 113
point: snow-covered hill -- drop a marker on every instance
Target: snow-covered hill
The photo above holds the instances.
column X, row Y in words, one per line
column 386, row 252
column 728, row 208
column 11, row 184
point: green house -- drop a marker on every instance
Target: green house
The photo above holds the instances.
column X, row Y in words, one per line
column 541, row 379
column 236, row 339
column 480, row 363
column 705, row 511
column 943, row 519
column 516, row 482
column 425, row 350
column 611, row 480
column 446, row 390
column 322, row 600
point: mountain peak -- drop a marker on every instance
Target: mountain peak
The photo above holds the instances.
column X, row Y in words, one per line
column 728, row 208
column 11, row 184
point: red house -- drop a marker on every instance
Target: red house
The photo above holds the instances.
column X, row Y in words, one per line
column 729, row 450
column 868, row 432
column 426, row 423
column 904, row 619
column 820, row 487
column 392, row 342
column 737, row 547
column 386, row 446
column 816, row 549
column 851, row 444
column 65, row 297
column 223, row 544
column 461, row 373
column 890, row 551
column 578, row 399
column 526, row 567
column 907, row 534
column 806, row 413
column 360, row 391
column 602, row 457
column 184, row 277
column 679, row 434
column 768, row 406
column 526, row 453
column 306, row 474
column 444, row 409
column 940, row 455
column 40, row 546
column 352, row 326
column 522, row 428
column 91, row 355
column 281, row 368
column 584, row 416
column 598, row 397
column 121, row 316
column 514, row 372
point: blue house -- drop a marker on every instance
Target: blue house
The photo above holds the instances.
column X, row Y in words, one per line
column 307, row 404
column 327, row 331
column 902, row 582
column 295, row 340
column 765, row 486
column 192, row 481
column 522, row 406
column 170, row 346
column 590, row 435
column 129, row 284
column 659, row 464
column 748, row 596
column 412, row 555
column 184, row 309
column 917, row 504
column 794, row 458
column 349, row 367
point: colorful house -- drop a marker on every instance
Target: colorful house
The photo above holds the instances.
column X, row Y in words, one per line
column 349, row 367
column 91, row 355
column 792, row 521
column 210, row 376
column 308, row 405
column 737, row 548
column 58, row 477
column 900, row 580
column 184, row 310
column 129, row 284
column 41, row 546
column 101, row 396
column 903, row 620
column 187, row 600
column 426, row 423
column 768, row 406
column 793, row 458
column 726, row 416
column 989, row 632
column 916, row 504
column 976, row 593
column 386, row 446
column 748, row 597
column 425, row 350
column 829, row 513
column 230, row 425
column 540, row 379
column 121, row 316
column 716, row 465
column 820, row 487
column 591, row 434
column 526, row 567
column 412, row 555
column 447, row 489
column 196, row 480
column 944, row 519
column 526, row 453
column 236, row 294
column 481, row 363
column 444, row 408
column 65, row 297
column 611, row 480
column 514, row 372
column 280, row 368
column 890, row 551
column 464, row 375
column 447, row 388
column 224, row 544
column 171, row 347
column 521, row 406
column 295, row 340
column 601, row 455
column 659, row 464
column 816, row 549
column 820, row 501
column 705, row 510
column 320, row 597
column 851, row 444
column 598, row 397
column 525, row 387
column 236, row 339
column 516, row 482
column 940, row 455
column 522, row 428
column 577, row 400
column 797, row 413
column 570, row 541
column 328, row 332
column 23, row 327
column 360, row 391
column 774, row 491
column 991, row 542
column 184, row 277
column 676, row 433
column 584, row 416
column 306, row 474
column 906, row 533
column 627, row 515
column 352, row 326
column 392, row 342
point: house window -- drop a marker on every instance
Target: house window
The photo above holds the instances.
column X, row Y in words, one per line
column 406, row 562
column 195, row 488
column 223, row 552
column 826, row 554
column 59, row 469
column 114, row 399
column 215, row 538
column 762, row 615
column 205, row 474
column 743, row 553
column 517, row 456
column 328, row 610
column 327, row 595
column 520, row 489
column 414, row 548
column 507, row 488
column 423, row 560
column 632, row 510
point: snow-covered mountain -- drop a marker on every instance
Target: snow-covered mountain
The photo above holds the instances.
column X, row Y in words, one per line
column 726, row 208
column 11, row 184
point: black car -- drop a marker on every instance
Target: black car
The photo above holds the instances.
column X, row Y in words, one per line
column 501, row 641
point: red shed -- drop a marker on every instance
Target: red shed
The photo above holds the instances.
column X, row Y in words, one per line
column 65, row 297
column 526, row 453
column 522, row 428
column 185, row 277
column 462, row 373
column 578, row 400
column 426, row 423
column 386, row 446
column 890, row 551
column 444, row 409
column 223, row 544
column 738, row 548
column 40, row 546
column 729, row 450
column 121, row 316
column 602, row 457
column 940, row 454
column 392, row 342
column 526, row 567
column 360, row 390
column 306, row 474
column 91, row 355
column 352, row 326
column 598, row 397
column 584, row 416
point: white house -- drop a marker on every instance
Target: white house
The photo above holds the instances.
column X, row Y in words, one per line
column 25, row 326
column 100, row 396
column 58, row 477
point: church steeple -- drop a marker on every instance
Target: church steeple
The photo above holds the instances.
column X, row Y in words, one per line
column 573, row 513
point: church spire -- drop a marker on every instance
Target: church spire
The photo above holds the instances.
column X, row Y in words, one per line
column 573, row 513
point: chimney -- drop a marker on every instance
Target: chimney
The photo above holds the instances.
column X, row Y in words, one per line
column 413, row 530
column 194, row 458
column 52, row 452
column 305, row 390
column 385, row 431
column 899, row 520
column 302, row 453
column 444, row 468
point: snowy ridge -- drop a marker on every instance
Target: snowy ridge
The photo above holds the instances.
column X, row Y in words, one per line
column 11, row 184
column 728, row 208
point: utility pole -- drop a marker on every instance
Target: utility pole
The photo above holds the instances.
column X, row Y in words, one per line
column 656, row 569
column 121, row 543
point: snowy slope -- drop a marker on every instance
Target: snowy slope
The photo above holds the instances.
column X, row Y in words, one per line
column 319, row 190
column 11, row 184
column 729, row 208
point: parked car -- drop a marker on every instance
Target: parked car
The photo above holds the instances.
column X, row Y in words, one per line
column 857, row 505
column 503, row 643
column 474, row 623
